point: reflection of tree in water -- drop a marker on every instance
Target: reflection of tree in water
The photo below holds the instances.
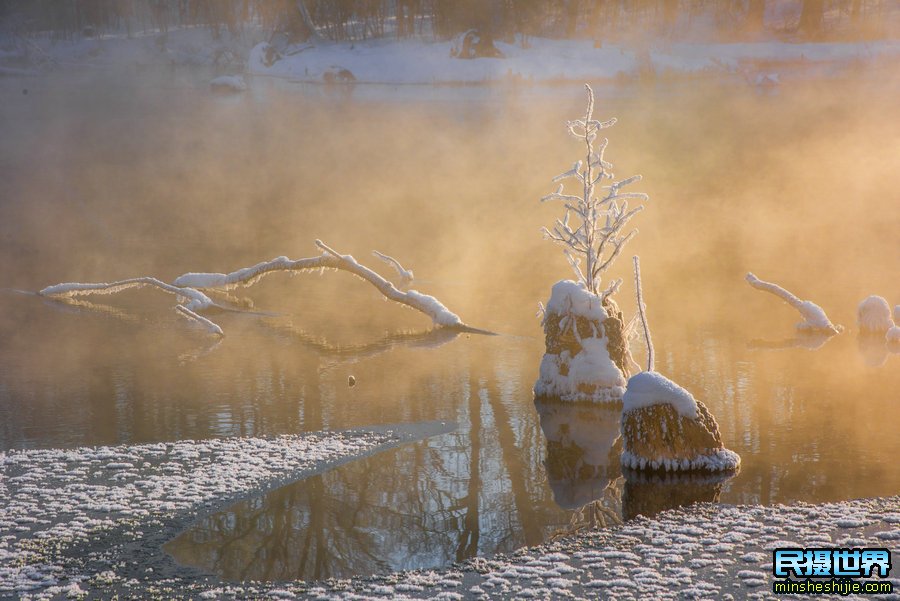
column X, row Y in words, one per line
column 649, row 493
column 364, row 517
column 423, row 505
column 585, row 474
column 583, row 449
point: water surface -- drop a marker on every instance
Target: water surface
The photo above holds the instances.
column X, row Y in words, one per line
column 104, row 179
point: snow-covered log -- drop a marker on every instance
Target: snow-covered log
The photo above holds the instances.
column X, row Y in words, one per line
column 428, row 305
column 814, row 317
column 250, row 275
column 247, row 276
column 187, row 287
column 196, row 300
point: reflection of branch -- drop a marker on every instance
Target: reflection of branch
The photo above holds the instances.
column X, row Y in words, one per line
column 807, row 340
column 70, row 303
column 515, row 469
column 425, row 339
column 199, row 352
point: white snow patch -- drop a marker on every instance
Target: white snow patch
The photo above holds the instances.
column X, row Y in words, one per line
column 591, row 366
column 594, row 366
column 652, row 388
column 893, row 334
column 720, row 460
column 573, row 298
column 231, row 83
column 874, row 315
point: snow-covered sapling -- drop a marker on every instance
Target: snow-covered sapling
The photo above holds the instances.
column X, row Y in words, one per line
column 586, row 344
column 814, row 318
column 592, row 228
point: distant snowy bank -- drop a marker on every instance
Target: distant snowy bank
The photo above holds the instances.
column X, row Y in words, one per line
column 420, row 62
column 417, row 61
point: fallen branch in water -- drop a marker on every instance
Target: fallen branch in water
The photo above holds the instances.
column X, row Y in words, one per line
column 814, row 318
column 428, row 305
column 188, row 287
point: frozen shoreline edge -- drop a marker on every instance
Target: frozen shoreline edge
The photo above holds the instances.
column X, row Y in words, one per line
column 639, row 558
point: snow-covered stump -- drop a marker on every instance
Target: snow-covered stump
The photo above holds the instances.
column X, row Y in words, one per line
column 877, row 327
column 580, row 334
column 664, row 428
column 583, row 448
column 873, row 316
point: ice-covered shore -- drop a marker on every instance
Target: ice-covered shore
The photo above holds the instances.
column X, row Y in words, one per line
column 91, row 521
column 68, row 517
column 427, row 62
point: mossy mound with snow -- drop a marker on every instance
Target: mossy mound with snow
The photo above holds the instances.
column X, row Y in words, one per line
column 665, row 428
column 580, row 335
column 873, row 315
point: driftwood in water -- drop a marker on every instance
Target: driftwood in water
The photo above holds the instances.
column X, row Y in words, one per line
column 188, row 287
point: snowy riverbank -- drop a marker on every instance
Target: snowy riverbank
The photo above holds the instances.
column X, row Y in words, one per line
column 91, row 521
column 90, row 518
column 419, row 61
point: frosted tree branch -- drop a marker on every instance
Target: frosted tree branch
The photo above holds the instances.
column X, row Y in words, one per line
column 595, row 238
column 428, row 305
column 209, row 326
column 196, row 300
column 814, row 317
column 406, row 275
column 642, row 311
column 187, row 287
